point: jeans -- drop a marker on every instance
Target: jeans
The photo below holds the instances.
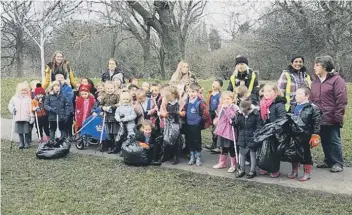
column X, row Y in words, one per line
column 331, row 143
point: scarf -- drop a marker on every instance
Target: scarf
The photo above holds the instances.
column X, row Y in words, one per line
column 264, row 107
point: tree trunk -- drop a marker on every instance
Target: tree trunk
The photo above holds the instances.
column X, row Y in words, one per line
column 162, row 63
column 19, row 52
column 42, row 54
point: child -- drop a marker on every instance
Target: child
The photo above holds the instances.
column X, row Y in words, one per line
column 145, row 107
column 242, row 93
column 33, row 86
column 170, row 112
column 38, row 108
column 310, row 115
column 133, row 88
column 247, row 122
column 84, row 104
column 224, row 114
column 134, row 81
column 261, row 91
column 109, row 103
column 126, row 116
column 213, row 102
column 100, row 88
column 197, row 117
column 155, row 92
column 88, row 81
column 67, row 91
column 58, row 108
column 146, row 88
column 272, row 107
column 20, row 107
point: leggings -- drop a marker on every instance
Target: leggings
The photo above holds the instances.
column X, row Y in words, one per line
column 24, row 138
column 228, row 150
column 253, row 160
column 43, row 125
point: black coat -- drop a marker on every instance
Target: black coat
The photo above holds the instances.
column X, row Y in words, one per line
column 139, row 136
column 106, row 75
column 57, row 104
column 276, row 109
column 311, row 116
column 246, row 127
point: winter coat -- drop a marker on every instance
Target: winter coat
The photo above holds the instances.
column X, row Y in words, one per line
column 139, row 135
column 130, row 116
column 276, row 109
column 36, row 103
column 57, row 104
column 246, row 126
column 246, row 77
column 110, row 100
column 68, row 92
column 80, row 113
column 223, row 121
column 65, row 69
column 23, row 107
column 117, row 73
column 331, row 98
column 142, row 113
column 311, row 116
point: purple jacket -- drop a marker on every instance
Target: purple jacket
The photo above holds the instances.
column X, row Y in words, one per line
column 223, row 121
column 331, row 98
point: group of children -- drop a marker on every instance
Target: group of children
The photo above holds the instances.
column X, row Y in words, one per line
column 155, row 114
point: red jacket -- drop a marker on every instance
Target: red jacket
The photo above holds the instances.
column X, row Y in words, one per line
column 331, row 98
column 79, row 113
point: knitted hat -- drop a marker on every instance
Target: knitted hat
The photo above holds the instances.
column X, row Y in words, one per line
column 39, row 90
column 84, row 88
column 241, row 59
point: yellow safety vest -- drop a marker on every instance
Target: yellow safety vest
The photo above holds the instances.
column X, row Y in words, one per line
column 288, row 88
column 251, row 84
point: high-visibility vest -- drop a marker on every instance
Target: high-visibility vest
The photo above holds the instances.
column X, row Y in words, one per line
column 251, row 83
column 288, row 88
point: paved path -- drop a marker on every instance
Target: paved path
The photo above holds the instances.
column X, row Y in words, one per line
column 322, row 179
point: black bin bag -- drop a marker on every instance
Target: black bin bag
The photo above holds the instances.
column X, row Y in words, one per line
column 269, row 159
column 134, row 154
column 59, row 149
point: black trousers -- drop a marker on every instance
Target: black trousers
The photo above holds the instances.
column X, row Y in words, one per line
column 214, row 136
column 226, row 150
column 43, row 124
column 68, row 126
column 193, row 134
column 53, row 126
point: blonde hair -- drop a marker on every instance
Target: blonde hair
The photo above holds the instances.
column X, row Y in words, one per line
column 53, row 84
column 110, row 83
column 147, row 123
column 100, row 83
column 274, row 87
column 228, row 94
column 141, row 92
column 178, row 77
column 241, row 91
column 125, row 94
column 21, row 86
column 171, row 93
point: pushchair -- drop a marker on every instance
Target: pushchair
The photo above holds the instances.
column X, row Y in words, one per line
column 90, row 133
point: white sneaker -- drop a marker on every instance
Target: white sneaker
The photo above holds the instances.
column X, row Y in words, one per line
column 232, row 169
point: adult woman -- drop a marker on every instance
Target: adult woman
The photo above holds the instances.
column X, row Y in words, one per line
column 182, row 75
column 292, row 78
column 330, row 95
column 59, row 65
column 113, row 73
column 243, row 75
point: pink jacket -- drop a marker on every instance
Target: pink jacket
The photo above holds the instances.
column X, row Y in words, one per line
column 23, row 105
column 223, row 121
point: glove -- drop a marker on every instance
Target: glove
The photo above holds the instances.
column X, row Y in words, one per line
column 37, row 109
column 31, row 121
column 122, row 116
column 234, row 121
column 314, row 141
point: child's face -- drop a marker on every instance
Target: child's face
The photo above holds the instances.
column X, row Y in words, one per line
column 215, row 85
column 85, row 95
column 145, row 86
column 56, row 88
column 155, row 91
column 269, row 92
column 100, row 88
column 133, row 91
column 24, row 91
column 126, row 99
column 193, row 94
column 60, row 77
column 84, row 81
column 135, row 82
column 117, row 83
column 147, row 130
column 141, row 98
column 110, row 89
column 227, row 100
column 301, row 96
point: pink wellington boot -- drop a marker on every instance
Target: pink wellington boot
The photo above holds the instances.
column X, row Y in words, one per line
column 222, row 162
column 233, row 165
column 294, row 172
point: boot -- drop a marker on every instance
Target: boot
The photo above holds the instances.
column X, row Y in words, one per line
column 198, row 159
column 21, row 145
column 41, row 140
column 222, row 162
column 294, row 172
column 176, row 160
column 306, row 175
column 192, row 159
column 233, row 165
column 47, row 138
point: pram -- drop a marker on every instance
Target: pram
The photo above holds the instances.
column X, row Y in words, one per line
column 90, row 132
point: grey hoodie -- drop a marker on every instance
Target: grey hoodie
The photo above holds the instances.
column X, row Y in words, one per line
column 130, row 116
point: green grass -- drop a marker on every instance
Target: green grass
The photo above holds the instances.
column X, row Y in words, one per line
column 8, row 86
column 83, row 184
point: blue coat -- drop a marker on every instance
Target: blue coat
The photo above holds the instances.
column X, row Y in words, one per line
column 57, row 104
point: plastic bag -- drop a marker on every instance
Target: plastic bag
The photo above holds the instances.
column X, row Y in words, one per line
column 134, row 154
column 269, row 159
column 172, row 134
column 49, row 151
column 291, row 150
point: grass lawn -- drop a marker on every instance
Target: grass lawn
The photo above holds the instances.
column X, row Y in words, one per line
column 82, row 184
column 8, row 86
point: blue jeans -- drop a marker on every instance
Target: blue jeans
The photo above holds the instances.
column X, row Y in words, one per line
column 332, row 146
